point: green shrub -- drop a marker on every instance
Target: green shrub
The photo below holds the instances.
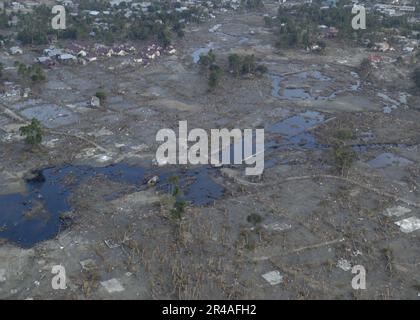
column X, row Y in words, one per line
column 32, row 132
column 101, row 96
column 215, row 75
column 344, row 134
column 344, row 157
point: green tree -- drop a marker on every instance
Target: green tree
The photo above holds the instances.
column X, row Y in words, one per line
column 244, row 65
column 208, row 59
column 34, row 72
column 37, row 73
column 268, row 21
column 101, row 96
column 179, row 205
column 32, row 132
column 235, row 63
column 365, row 67
column 344, row 157
column 248, row 64
column 215, row 75
column 165, row 36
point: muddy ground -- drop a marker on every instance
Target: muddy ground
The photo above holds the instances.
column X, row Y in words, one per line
column 313, row 223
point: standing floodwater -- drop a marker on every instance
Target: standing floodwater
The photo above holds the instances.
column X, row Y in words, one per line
column 37, row 215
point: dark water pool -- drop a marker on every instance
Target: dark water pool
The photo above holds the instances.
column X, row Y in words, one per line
column 51, row 188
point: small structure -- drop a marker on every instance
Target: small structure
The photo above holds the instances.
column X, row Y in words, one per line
column 382, row 46
column 90, row 57
column 52, row 52
column 45, row 61
column 82, row 53
column 93, row 13
column 15, row 50
column 67, row 58
column 95, row 102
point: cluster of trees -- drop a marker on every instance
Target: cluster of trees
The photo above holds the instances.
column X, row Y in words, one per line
column 159, row 24
column 237, row 64
column 4, row 19
column 292, row 35
column 35, row 27
column 298, row 27
column 147, row 29
column 242, row 65
column 32, row 132
column 214, row 72
column 99, row 5
column 33, row 72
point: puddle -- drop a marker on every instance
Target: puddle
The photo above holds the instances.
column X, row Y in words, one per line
column 287, row 93
column 296, row 135
column 389, row 159
column 392, row 104
column 314, row 75
column 294, row 92
column 197, row 185
column 367, row 136
column 36, row 216
column 275, row 85
column 297, row 124
column 294, row 131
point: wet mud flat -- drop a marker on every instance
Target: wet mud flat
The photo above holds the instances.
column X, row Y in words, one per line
column 293, row 233
column 40, row 213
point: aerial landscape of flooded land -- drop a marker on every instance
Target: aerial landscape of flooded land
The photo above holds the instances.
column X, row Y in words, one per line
column 80, row 186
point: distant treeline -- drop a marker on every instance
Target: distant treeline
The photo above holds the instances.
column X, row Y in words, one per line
column 298, row 26
column 160, row 24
